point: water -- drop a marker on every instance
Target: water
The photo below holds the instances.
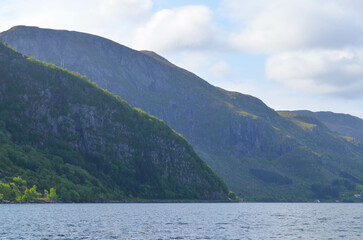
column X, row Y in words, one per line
column 182, row 221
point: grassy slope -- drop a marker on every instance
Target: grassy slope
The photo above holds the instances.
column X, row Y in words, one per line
column 343, row 124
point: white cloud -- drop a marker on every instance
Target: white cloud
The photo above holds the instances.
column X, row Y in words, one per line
column 314, row 47
column 333, row 72
column 287, row 25
column 221, row 70
column 241, row 11
column 188, row 27
column 192, row 61
column 108, row 18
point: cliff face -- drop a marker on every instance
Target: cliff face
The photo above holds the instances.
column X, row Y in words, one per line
column 125, row 149
column 241, row 138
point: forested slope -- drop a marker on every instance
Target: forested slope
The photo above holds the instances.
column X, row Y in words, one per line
column 60, row 130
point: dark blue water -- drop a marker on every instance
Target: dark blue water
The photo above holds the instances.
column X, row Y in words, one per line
column 182, row 221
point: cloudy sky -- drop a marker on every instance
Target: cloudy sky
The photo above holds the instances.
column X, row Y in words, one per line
column 292, row 54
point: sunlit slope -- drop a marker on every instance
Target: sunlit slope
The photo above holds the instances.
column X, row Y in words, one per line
column 344, row 124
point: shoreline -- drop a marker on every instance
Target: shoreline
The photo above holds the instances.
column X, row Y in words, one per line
column 122, row 201
column 159, row 201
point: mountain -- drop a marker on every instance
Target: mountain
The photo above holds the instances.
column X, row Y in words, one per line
column 344, row 124
column 261, row 154
column 58, row 129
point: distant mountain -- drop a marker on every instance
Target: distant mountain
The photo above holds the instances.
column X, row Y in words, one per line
column 344, row 124
column 261, row 154
column 58, row 129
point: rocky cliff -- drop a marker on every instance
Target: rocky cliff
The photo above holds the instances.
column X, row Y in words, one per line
column 121, row 149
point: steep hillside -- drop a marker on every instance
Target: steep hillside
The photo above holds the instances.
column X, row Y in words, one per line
column 261, row 155
column 344, row 124
column 59, row 129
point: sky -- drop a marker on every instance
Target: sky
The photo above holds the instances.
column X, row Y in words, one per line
column 291, row 54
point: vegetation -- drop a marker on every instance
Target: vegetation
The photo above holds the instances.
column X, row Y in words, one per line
column 270, row 177
column 61, row 131
column 344, row 124
column 17, row 190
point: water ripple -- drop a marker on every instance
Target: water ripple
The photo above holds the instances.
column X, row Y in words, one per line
column 181, row 221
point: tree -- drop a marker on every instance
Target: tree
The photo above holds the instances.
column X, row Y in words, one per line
column 46, row 194
column 19, row 181
column 15, row 192
column 52, row 195
column 31, row 194
column 5, row 191
column 10, row 192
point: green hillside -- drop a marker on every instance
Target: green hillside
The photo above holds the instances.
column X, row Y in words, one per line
column 344, row 124
column 58, row 129
column 261, row 154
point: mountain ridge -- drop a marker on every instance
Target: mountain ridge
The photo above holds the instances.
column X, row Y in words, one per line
column 344, row 124
column 240, row 137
